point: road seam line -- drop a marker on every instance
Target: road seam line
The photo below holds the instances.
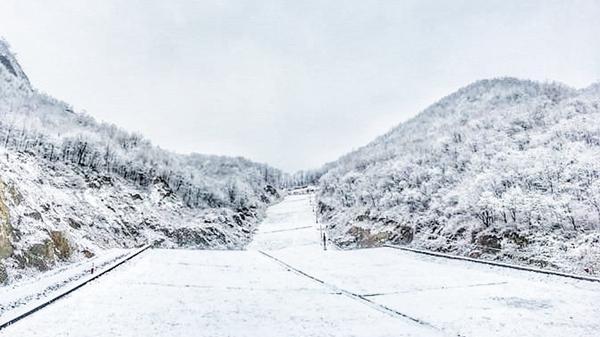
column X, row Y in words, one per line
column 357, row 297
column 435, row 289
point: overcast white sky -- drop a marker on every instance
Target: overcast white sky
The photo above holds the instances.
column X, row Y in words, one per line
column 291, row 83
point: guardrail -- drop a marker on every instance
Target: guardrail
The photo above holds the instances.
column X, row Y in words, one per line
column 70, row 290
column 493, row 263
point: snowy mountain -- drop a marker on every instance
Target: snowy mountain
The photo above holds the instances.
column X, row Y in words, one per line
column 71, row 186
column 504, row 168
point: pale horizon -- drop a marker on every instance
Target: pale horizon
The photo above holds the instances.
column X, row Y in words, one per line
column 291, row 85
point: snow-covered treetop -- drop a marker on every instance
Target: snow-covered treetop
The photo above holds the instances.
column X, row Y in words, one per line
column 479, row 100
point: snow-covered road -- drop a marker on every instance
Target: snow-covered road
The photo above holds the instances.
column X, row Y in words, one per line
column 286, row 285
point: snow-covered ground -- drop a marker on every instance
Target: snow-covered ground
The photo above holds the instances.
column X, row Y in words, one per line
column 286, row 285
column 20, row 297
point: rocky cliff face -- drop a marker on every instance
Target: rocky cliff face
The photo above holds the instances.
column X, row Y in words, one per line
column 6, row 231
column 12, row 66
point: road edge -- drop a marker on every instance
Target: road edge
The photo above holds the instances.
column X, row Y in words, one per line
column 29, row 312
column 496, row 264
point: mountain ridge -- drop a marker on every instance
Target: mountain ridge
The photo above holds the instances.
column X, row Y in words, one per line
column 450, row 178
column 484, row 85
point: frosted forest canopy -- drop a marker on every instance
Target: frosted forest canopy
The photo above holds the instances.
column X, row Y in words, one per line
column 505, row 166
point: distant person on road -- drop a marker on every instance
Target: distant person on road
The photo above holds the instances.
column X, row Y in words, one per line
column 324, row 241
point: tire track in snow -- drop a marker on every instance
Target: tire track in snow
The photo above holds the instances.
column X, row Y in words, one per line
column 357, row 297
column 284, row 230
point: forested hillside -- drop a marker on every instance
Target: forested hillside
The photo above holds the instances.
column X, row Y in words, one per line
column 503, row 168
column 70, row 186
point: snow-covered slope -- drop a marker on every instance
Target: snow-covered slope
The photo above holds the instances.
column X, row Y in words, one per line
column 70, row 186
column 285, row 284
column 504, row 167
